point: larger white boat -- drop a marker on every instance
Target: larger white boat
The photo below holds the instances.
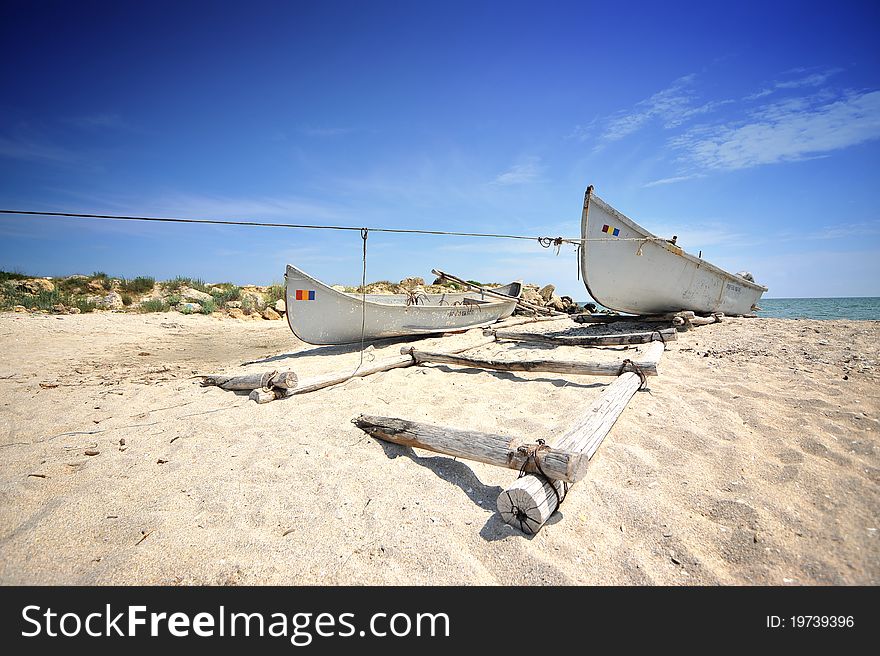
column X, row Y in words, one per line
column 319, row 314
column 626, row 268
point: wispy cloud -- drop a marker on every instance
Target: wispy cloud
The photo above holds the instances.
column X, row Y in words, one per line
column 35, row 151
column 812, row 80
column 525, row 171
column 97, row 121
column 790, row 130
column 319, row 132
column 673, row 180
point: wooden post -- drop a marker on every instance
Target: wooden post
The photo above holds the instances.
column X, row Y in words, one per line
column 529, row 502
column 648, row 367
column 664, row 335
column 513, row 453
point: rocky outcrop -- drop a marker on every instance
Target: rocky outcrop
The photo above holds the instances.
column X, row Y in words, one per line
column 280, row 306
column 34, row 285
column 271, row 314
column 191, row 294
column 112, row 301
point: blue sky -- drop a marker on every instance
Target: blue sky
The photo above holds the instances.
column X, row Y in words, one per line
column 750, row 131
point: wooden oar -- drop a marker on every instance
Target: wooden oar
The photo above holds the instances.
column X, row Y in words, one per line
column 492, row 292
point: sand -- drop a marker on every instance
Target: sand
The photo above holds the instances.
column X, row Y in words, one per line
column 750, row 460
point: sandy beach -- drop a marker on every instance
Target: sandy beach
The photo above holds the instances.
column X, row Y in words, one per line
column 751, row 459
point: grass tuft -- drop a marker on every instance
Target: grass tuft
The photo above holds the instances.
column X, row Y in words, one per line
column 153, row 305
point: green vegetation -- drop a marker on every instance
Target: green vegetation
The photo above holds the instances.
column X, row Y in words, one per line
column 127, row 299
column 12, row 275
column 153, row 305
column 10, row 296
column 225, row 292
column 179, row 282
column 208, row 307
column 274, row 293
column 139, row 285
column 174, row 299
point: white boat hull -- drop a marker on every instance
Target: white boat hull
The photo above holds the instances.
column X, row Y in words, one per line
column 319, row 314
column 626, row 268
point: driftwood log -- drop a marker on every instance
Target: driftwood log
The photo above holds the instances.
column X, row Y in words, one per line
column 320, row 382
column 513, row 453
column 664, row 335
column 531, row 500
column 653, row 318
column 269, row 380
column 648, row 367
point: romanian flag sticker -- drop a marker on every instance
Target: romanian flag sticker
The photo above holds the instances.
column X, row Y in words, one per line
column 614, row 232
column 305, row 294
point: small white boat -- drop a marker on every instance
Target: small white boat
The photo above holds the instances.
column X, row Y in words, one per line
column 626, row 268
column 319, row 314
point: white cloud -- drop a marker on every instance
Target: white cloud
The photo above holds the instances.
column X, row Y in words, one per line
column 794, row 129
column 673, row 180
column 811, row 80
column 527, row 170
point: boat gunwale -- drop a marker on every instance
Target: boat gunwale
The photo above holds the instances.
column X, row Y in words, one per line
column 359, row 297
column 663, row 243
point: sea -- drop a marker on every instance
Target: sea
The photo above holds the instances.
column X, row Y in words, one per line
column 863, row 308
column 820, row 308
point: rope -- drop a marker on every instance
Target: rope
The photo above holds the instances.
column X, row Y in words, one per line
column 551, row 241
column 532, row 453
column 364, row 234
column 629, row 365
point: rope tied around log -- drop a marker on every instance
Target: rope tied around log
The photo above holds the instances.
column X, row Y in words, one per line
column 532, row 454
column 629, row 365
column 265, row 379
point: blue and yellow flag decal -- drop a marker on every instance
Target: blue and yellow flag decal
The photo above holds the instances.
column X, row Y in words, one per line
column 614, row 232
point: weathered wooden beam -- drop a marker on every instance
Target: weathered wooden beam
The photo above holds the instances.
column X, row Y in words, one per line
column 520, row 320
column 648, row 367
column 314, row 383
column 268, row 380
column 664, row 335
column 531, row 500
column 499, row 450
column 610, row 318
column 490, row 292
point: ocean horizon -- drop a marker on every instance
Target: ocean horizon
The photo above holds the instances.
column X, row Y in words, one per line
column 862, row 308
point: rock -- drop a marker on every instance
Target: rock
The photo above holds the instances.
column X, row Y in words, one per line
column 233, row 304
column 271, row 314
column 236, row 313
column 95, row 285
column 280, row 306
column 19, row 308
column 555, row 302
column 546, row 292
column 413, row 281
column 189, row 308
column 254, row 299
column 530, row 295
column 112, row 301
column 59, row 308
column 191, row 294
column 338, row 288
column 35, row 286
column 73, row 310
